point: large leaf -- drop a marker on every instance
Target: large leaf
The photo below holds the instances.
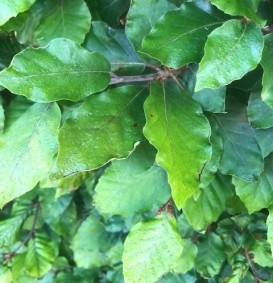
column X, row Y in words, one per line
column 142, row 16
column 107, row 124
column 268, row 68
column 40, row 255
column 62, row 70
column 179, row 36
column 10, row 8
column 210, row 203
column 257, row 195
column 231, row 51
column 151, row 250
column 68, row 18
column 171, row 116
column 259, row 113
column 133, row 186
column 242, row 156
column 247, row 8
column 27, row 149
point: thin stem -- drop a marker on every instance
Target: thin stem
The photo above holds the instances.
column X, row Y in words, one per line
column 252, row 267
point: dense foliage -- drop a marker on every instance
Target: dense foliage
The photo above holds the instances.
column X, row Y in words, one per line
column 136, row 141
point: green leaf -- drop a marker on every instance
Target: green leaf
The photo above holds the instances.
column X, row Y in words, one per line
column 26, row 152
column 259, row 113
column 210, row 255
column 68, row 19
column 62, row 70
column 40, row 255
column 269, row 224
column 231, row 51
column 179, row 36
column 264, row 138
column 151, row 249
column 247, row 8
column 242, row 157
column 9, row 229
column 258, row 194
column 260, row 249
column 111, row 129
column 90, row 244
column 170, row 117
column 178, row 278
column 2, row 117
column 10, row 8
column 142, row 16
column 114, row 45
column 210, row 203
column 133, row 186
column 267, row 68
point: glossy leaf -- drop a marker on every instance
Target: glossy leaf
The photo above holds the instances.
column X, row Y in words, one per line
column 142, row 16
column 133, row 186
column 68, row 19
column 171, row 116
column 259, row 113
column 267, row 68
column 26, row 153
column 247, row 8
column 62, row 70
column 10, row 8
column 210, row 203
column 257, row 195
column 242, row 157
column 40, row 255
column 111, row 129
column 150, row 250
column 179, row 36
column 210, row 255
column 230, row 51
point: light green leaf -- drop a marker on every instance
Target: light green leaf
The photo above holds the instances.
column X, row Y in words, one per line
column 264, row 138
column 26, row 152
column 258, row 194
column 151, row 249
column 67, row 18
column 179, row 36
column 210, row 255
column 261, row 253
column 269, row 224
column 114, row 45
column 133, row 186
column 247, row 8
column 171, row 116
column 230, row 51
column 2, row 117
column 178, row 278
column 259, row 113
column 206, row 208
column 267, row 68
column 40, row 255
column 110, row 129
column 10, row 8
column 242, row 156
column 9, row 229
column 90, row 244
column 142, row 16
column 62, row 70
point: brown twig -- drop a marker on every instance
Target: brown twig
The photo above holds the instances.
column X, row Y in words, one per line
column 252, row 267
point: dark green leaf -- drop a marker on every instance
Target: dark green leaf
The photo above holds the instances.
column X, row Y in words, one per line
column 62, row 70
column 170, row 117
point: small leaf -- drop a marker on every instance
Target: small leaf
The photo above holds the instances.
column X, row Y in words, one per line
column 40, row 255
column 247, row 8
column 62, row 70
column 133, row 186
column 151, row 249
column 10, row 8
column 210, row 203
column 231, row 51
column 26, row 153
column 67, row 19
column 267, row 68
column 142, row 16
column 110, row 129
column 210, row 255
column 259, row 113
column 258, row 194
column 179, row 36
column 171, row 116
